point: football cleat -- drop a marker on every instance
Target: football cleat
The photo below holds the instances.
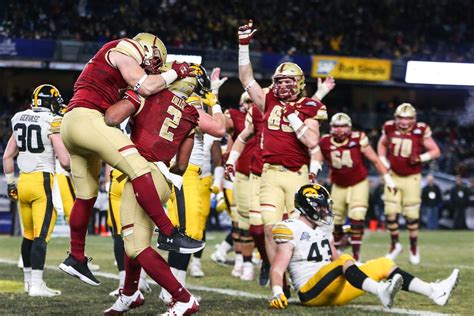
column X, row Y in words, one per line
column 165, row 296
column 264, row 277
column 179, row 308
column 442, row 289
column 415, row 258
column 179, row 242
column 237, row 270
column 116, row 292
column 195, row 269
column 394, row 251
column 42, row 290
column 79, row 270
column 387, row 290
column 247, row 272
column 219, row 257
column 125, row 303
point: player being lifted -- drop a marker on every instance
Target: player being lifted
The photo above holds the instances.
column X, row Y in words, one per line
column 344, row 150
column 36, row 143
column 404, row 146
column 116, row 66
column 322, row 277
column 290, row 130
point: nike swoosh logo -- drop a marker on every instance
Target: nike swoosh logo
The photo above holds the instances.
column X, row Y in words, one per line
column 444, row 293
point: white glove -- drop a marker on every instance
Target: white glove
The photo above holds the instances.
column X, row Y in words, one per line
column 392, row 187
column 216, row 83
column 324, row 87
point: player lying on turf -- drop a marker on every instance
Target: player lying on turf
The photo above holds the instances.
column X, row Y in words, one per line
column 321, row 277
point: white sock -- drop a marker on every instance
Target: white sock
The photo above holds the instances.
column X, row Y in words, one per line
column 143, row 274
column 196, row 260
column 121, row 279
column 420, row 287
column 36, row 277
column 239, row 259
column 224, row 247
column 370, row 286
column 180, row 275
column 27, row 274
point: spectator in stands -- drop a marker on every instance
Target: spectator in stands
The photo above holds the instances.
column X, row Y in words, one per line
column 459, row 201
column 431, row 200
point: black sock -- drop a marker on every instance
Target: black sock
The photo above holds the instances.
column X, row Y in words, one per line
column 38, row 254
column 179, row 261
column 407, row 277
column 26, row 245
column 355, row 276
column 119, row 252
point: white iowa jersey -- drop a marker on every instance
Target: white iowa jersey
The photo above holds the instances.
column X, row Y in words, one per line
column 31, row 130
column 206, row 160
column 198, row 149
column 312, row 249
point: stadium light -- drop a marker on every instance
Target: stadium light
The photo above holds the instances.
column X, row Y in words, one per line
column 195, row 59
column 426, row 72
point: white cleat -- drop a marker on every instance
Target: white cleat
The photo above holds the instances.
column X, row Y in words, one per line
column 237, row 270
column 42, row 290
column 179, row 308
column 219, row 257
column 20, row 262
column 165, row 296
column 247, row 272
column 393, row 254
column 415, row 258
column 143, row 285
column 388, row 289
column 115, row 293
column 125, row 303
column 195, row 270
column 442, row 289
column 27, row 285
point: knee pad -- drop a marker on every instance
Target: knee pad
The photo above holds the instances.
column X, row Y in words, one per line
column 392, row 224
column 133, row 165
column 357, row 213
column 413, row 224
column 245, row 236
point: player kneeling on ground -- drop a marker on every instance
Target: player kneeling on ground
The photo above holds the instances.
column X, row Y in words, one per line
column 323, row 278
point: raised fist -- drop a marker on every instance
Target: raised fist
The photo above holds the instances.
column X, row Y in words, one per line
column 182, row 69
column 246, row 33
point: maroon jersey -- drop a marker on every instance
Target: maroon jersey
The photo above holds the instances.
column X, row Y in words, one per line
column 345, row 159
column 162, row 125
column 280, row 144
column 403, row 145
column 99, row 84
column 243, row 163
column 256, row 163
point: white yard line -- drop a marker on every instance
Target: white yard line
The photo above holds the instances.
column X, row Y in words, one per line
column 236, row 293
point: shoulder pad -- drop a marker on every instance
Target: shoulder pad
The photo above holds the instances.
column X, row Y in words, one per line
column 282, row 233
column 130, row 48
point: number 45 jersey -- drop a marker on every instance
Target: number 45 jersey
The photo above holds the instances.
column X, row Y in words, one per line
column 31, row 130
column 312, row 249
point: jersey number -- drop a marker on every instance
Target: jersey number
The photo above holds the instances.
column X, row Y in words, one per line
column 341, row 159
column 402, row 147
column 274, row 120
column 315, row 253
column 26, row 139
column 170, row 123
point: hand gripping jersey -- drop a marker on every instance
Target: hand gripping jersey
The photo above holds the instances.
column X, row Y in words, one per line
column 403, row 145
column 99, row 84
column 280, row 144
column 31, row 131
column 256, row 162
column 161, row 126
column 346, row 158
column 312, row 249
column 239, row 119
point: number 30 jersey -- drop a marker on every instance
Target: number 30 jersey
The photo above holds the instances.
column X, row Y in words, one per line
column 31, row 130
column 312, row 249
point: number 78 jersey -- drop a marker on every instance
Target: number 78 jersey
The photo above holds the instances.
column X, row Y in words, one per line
column 31, row 131
column 312, row 249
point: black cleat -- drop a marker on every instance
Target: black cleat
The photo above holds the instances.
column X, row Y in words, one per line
column 79, row 270
column 264, row 277
column 179, row 242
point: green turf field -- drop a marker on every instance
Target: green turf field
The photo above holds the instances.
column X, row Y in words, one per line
column 440, row 253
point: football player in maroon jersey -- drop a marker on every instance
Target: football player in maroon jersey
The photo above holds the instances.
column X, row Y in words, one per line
column 404, row 146
column 344, row 150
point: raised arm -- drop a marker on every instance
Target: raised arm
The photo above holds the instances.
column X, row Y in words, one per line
column 246, row 77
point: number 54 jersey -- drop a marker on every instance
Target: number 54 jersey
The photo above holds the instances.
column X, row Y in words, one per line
column 312, row 249
column 31, row 130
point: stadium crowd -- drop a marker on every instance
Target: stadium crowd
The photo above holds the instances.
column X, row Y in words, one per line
column 384, row 29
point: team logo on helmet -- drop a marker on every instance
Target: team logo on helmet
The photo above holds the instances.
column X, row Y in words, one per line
column 46, row 97
column 314, row 202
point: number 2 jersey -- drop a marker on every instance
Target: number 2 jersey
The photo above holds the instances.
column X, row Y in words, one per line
column 403, row 145
column 164, row 122
column 312, row 249
column 280, row 144
column 346, row 158
column 31, row 130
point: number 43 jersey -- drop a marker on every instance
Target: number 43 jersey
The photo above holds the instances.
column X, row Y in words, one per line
column 312, row 249
column 31, row 130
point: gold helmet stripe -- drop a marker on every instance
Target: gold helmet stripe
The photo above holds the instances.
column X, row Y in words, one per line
column 35, row 93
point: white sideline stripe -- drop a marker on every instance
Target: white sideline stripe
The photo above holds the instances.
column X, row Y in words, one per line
column 236, row 293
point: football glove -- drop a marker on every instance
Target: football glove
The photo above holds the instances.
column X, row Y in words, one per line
column 246, row 33
column 183, row 70
column 216, row 82
column 195, row 101
column 12, row 192
column 391, row 186
column 279, row 301
column 210, row 99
